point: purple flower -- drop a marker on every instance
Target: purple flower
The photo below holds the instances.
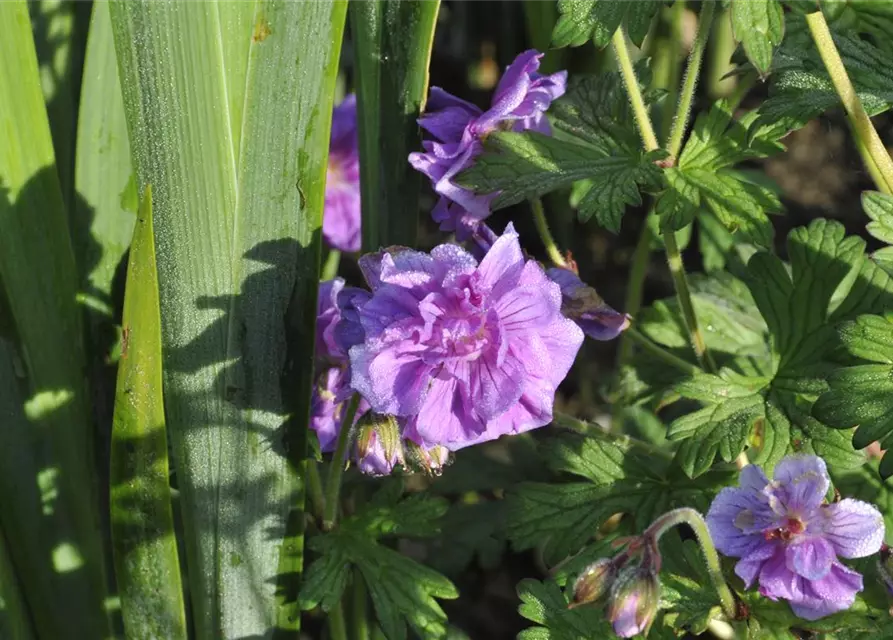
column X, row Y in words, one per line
column 789, row 538
column 582, row 304
column 458, row 127
column 341, row 217
column 465, row 352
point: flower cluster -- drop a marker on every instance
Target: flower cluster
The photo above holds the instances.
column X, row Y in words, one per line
column 519, row 103
column 457, row 352
column 789, row 538
column 341, row 217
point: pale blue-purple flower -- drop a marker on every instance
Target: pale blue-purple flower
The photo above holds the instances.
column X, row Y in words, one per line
column 341, row 216
column 463, row 352
column 458, row 127
column 582, row 304
column 789, row 538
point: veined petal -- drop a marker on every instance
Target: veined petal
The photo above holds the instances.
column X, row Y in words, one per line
column 501, row 267
column 445, row 416
column 835, row 592
column 805, row 482
column 496, row 386
column 855, row 528
column 810, row 558
column 751, row 563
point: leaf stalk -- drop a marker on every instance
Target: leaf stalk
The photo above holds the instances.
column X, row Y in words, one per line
column 333, row 483
column 542, row 228
column 683, row 293
column 640, row 111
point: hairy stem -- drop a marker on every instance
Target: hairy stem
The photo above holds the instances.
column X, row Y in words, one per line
column 680, row 282
column 333, row 483
column 542, row 228
column 695, row 520
column 692, row 72
column 359, row 610
column 643, row 120
column 660, row 353
column 861, row 123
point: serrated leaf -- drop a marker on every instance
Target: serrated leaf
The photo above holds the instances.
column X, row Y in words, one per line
column 722, row 428
column 862, row 396
column 386, row 513
column 402, row 590
column 879, row 207
column 564, row 517
column 686, row 589
column 545, row 604
column 759, row 27
column 147, row 565
column 802, row 90
column 469, row 532
column 582, row 20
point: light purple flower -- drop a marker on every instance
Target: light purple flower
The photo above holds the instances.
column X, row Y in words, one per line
column 341, row 216
column 789, row 539
column 582, row 304
column 465, row 352
column 458, row 127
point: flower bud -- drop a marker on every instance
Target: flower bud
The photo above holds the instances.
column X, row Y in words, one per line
column 377, row 447
column 595, row 582
column 634, row 601
column 430, row 461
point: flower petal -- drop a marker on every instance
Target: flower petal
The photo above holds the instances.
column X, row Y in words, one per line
column 501, row 267
column 496, row 386
column 835, row 592
column 777, row 581
column 392, row 381
column 804, row 480
column 751, row 564
column 810, row 558
column 855, row 528
column 445, row 416
column 730, row 511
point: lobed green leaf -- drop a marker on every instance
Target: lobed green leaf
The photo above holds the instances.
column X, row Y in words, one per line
column 759, row 27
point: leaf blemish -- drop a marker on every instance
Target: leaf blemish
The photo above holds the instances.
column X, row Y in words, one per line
column 261, row 29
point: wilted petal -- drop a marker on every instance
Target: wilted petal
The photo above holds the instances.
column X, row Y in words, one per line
column 810, row 558
column 855, row 528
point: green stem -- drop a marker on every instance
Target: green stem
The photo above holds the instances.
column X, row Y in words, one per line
column 330, row 268
column 314, row 490
column 337, row 626
column 359, row 610
column 542, row 228
column 333, row 484
column 672, row 51
column 864, row 130
column 680, row 282
column 637, row 272
column 695, row 520
column 692, row 72
column 875, row 173
column 566, row 421
column 660, row 353
column 646, row 129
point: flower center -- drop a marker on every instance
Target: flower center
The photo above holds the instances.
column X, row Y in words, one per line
column 791, row 528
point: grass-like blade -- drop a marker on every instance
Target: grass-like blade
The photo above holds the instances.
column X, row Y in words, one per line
column 145, row 545
column 15, row 623
column 48, row 498
column 105, row 206
column 238, row 243
column 392, row 41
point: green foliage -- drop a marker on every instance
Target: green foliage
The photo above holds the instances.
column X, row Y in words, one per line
column 545, row 604
column 147, row 566
column 402, row 590
column 759, row 26
column 582, row 20
column 595, row 145
column 802, row 90
column 392, row 43
column 862, row 395
column 610, row 477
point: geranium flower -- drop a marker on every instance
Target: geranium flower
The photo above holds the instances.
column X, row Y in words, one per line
column 789, row 539
column 519, row 103
column 464, row 352
column 341, row 216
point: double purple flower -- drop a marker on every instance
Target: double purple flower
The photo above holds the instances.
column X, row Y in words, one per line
column 461, row 352
column 341, row 216
column 458, row 127
column 789, row 538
